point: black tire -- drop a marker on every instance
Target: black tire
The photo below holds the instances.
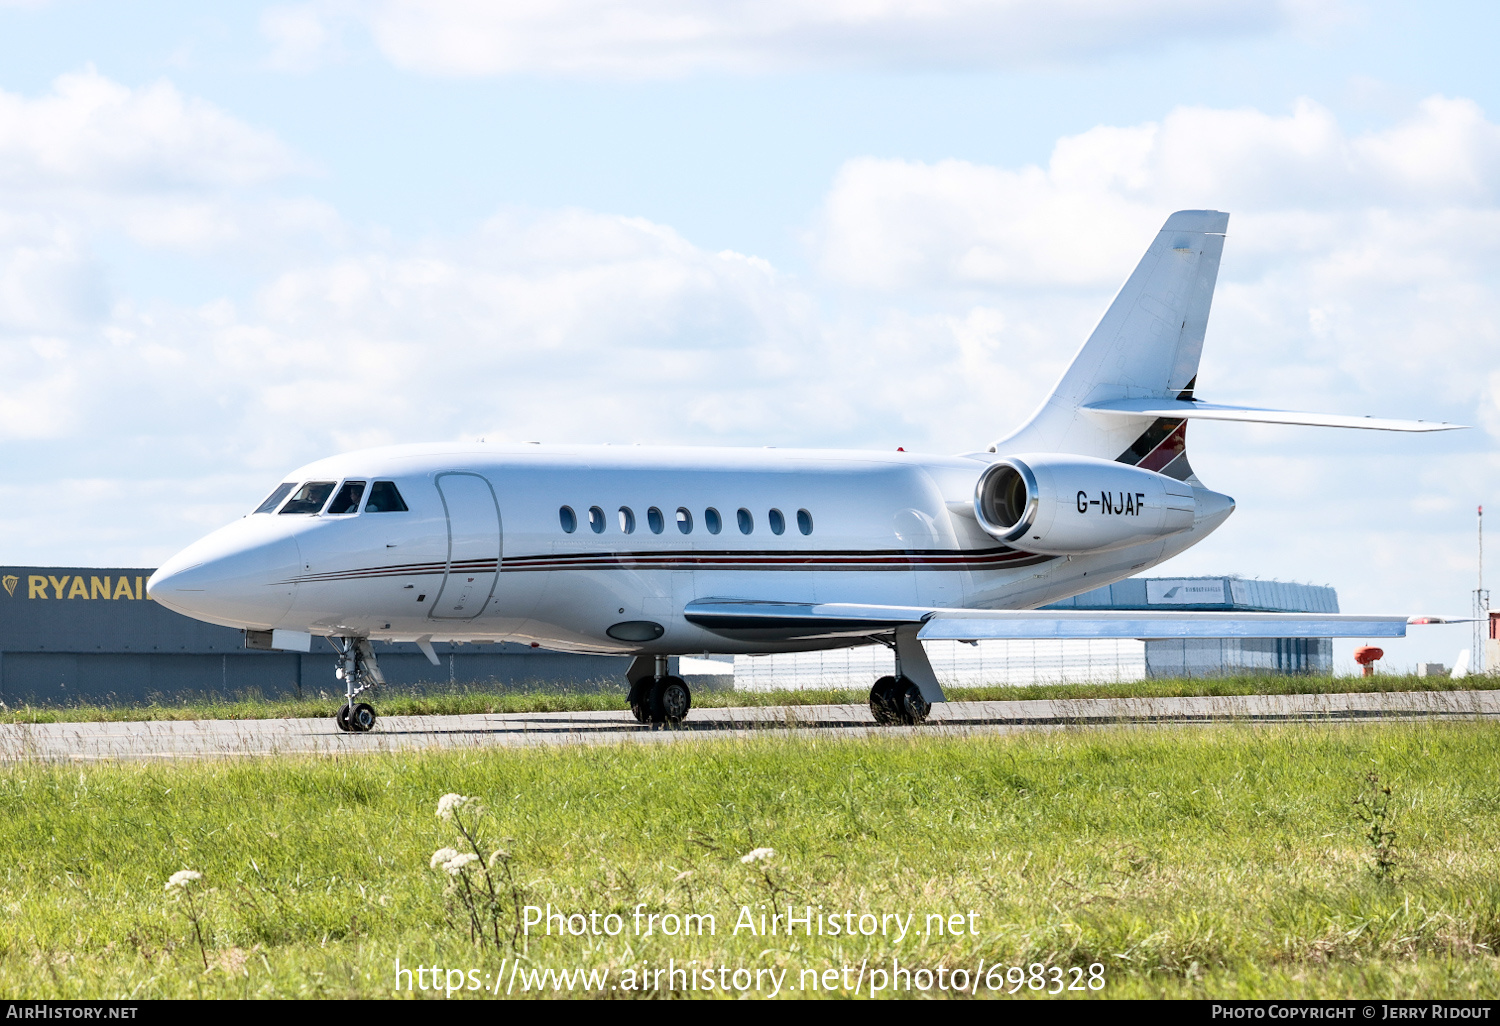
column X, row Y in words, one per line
column 883, row 701
column 341, row 719
column 362, row 718
column 670, row 700
column 911, row 707
column 639, row 700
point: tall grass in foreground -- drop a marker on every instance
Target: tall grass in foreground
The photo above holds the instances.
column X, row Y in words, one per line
column 1188, row 862
column 610, row 695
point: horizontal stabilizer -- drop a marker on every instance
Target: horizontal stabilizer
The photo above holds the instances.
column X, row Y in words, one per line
column 1185, row 409
column 756, row 620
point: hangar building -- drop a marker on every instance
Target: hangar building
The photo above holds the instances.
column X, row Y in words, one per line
column 85, row 634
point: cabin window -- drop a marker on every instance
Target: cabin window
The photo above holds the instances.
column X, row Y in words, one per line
column 627, row 520
column 274, row 499
column 568, row 519
column 747, row 522
column 309, row 498
column 596, row 520
column 684, row 520
column 804, row 521
column 654, row 520
column 777, row 521
column 712, row 520
column 347, row 499
column 384, row 498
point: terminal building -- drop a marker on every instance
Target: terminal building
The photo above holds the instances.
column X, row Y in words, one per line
column 1026, row 662
column 85, row 634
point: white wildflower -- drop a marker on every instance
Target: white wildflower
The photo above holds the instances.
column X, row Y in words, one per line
column 448, row 802
column 455, row 865
column 182, row 878
column 442, row 856
column 757, row 855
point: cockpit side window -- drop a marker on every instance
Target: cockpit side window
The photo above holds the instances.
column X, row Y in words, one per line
column 309, row 498
column 384, row 498
column 347, row 499
column 274, row 499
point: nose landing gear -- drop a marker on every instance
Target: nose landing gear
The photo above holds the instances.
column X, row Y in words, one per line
column 359, row 672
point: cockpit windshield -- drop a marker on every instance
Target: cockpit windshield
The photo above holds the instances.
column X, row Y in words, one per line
column 274, row 499
column 347, row 499
column 309, row 498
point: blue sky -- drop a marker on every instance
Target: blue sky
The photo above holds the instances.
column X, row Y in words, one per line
column 779, row 223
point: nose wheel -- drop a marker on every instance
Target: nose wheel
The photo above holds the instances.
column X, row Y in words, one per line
column 359, row 672
column 358, row 719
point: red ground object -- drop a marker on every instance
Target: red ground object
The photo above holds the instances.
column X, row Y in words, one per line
column 1366, row 657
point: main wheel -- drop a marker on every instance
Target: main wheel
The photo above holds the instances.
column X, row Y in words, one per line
column 362, row 718
column 670, row 700
column 883, row 701
column 341, row 718
column 911, row 707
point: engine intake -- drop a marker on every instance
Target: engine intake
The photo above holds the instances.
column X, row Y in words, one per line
column 1061, row 505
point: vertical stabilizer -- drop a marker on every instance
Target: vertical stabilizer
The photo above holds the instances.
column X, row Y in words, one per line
column 1146, row 347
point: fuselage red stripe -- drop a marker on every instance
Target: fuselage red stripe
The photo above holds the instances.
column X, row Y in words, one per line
column 719, row 561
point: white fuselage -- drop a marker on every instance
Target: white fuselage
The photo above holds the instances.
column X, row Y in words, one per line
column 458, row 565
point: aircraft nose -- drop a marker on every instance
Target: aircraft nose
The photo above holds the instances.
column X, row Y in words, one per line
column 236, row 577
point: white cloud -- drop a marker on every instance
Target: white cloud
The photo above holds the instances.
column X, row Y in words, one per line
column 665, row 38
column 299, row 37
column 164, row 170
column 1358, row 269
column 1297, row 181
column 94, row 133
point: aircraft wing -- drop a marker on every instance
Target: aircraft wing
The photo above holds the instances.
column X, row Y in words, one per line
column 1185, row 409
column 756, row 620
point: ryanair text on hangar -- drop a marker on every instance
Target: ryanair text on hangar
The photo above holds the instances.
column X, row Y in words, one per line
column 79, row 586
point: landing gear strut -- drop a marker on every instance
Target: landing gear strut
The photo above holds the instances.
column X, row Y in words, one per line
column 359, row 672
column 907, row 697
column 656, row 696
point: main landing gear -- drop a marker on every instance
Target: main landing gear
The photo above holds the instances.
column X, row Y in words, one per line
column 907, row 697
column 359, row 672
column 656, row 696
column 896, row 700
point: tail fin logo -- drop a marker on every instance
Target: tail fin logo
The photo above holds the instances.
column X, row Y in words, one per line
column 10, row 581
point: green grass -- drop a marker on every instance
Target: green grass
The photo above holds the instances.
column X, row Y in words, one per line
column 593, row 695
column 1196, row 862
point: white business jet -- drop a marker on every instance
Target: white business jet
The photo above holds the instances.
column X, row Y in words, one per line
column 653, row 552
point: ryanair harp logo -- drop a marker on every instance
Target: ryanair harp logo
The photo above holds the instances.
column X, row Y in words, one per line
column 10, row 581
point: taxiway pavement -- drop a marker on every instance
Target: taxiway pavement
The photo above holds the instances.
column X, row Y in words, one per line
column 159, row 739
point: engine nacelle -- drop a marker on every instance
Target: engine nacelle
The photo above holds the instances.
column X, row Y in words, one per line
column 1060, row 505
